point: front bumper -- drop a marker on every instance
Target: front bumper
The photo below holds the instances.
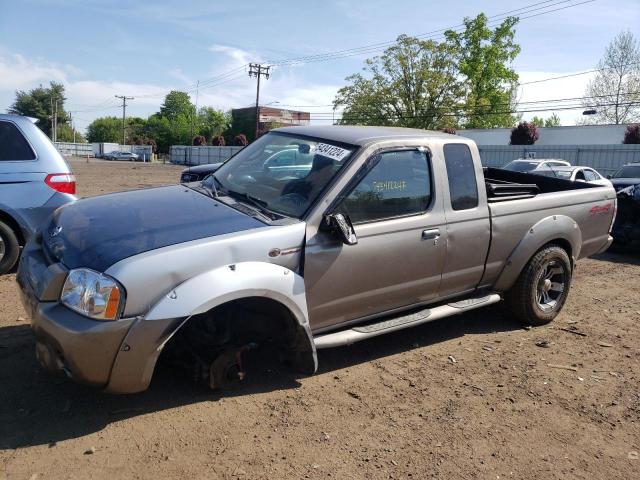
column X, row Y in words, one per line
column 83, row 348
column 119, row 356
column 68, row 342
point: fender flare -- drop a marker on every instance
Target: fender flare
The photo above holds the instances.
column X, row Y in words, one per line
column 548, row 229
column 134, row 365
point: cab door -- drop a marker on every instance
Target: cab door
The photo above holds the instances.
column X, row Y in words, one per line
column 399, row 221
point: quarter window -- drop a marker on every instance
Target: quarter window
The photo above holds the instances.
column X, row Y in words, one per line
column 13, row 145
column 398, row 184
column 461, row 173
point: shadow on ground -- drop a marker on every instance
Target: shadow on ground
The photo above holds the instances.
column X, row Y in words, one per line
column 619, row 256
column 37, row 408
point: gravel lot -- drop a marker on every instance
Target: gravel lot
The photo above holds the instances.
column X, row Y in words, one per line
column 466, row 397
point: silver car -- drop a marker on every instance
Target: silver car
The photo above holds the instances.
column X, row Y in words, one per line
column 34, row 181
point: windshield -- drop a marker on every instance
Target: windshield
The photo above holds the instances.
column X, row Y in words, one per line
column 520, row 166
column 629, row 171
column 284, row 173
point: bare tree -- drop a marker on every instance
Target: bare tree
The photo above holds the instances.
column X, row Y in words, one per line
column 615, row 91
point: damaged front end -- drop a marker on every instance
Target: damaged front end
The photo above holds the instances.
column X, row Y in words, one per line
column 626, row 228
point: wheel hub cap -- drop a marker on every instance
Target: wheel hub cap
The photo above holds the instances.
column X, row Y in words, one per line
column 551, row 285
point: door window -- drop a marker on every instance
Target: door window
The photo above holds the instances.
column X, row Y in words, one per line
column 461, row 173
column 591, row 176
column 580, row 175
column 13, row 146
column 398, row 184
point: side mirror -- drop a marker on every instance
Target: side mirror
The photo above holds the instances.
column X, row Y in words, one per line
column 341, row 226
column 609, row 176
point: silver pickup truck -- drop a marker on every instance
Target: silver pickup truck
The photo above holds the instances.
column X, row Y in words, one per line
column 387, row 229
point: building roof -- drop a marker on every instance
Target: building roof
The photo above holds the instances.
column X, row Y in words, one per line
column 360, row 135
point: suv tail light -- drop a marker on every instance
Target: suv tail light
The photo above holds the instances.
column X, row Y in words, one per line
column 61, row 182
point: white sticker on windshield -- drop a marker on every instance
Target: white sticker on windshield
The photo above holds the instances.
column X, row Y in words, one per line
column 331, row 151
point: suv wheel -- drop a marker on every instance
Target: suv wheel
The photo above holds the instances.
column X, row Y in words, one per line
column 9, row 248
column 542, row 287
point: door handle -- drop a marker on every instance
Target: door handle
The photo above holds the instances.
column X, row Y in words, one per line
column 431, row 234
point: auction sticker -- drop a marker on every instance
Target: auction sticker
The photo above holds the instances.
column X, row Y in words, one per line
column 331, row 151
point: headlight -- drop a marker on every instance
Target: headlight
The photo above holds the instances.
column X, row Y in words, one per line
column 93, row 294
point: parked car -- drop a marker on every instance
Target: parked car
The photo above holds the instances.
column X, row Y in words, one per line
column 627, row 176
column 282, row 162
column 34, row 181
column 389, row 229
column 117, row 155
column 626, row 228
column 198, row 172
column 575, row 174
column 531, row 164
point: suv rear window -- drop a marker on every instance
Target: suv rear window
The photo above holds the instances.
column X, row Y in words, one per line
column 13, row 146
column 461, row 173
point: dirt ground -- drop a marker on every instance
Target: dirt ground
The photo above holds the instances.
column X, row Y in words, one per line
column 466, row 397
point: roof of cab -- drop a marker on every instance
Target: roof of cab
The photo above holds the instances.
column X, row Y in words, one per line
column 361, row 135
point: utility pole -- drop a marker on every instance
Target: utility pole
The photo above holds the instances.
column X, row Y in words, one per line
column 51, row 99
column 124, row 99
column 196, row 114
column 55, row 123
column 73, row 130
column 257, row 70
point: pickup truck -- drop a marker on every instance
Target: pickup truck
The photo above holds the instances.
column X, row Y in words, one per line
column 389, row 228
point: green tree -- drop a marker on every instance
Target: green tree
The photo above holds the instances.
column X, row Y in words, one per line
column 212, row 122
column 412, row 84
column 484, row 56
column 552, row 121
column 177, row 104
column 66, row 134
column 40, row 103
column 109, row 129
column 105, row 129
column 174, row 123
column 614, row 92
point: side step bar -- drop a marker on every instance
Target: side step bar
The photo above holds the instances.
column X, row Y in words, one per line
column 369, row 330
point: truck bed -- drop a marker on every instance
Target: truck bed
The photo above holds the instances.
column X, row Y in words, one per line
column 504, row 185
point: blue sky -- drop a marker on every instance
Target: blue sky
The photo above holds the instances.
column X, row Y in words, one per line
column 144, row 49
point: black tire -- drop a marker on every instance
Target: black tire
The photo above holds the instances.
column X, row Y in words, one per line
column 9, row 248
column 536, row 299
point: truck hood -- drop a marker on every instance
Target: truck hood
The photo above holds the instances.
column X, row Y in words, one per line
column 100, row 231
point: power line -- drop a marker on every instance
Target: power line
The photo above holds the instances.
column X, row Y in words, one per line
column 430, row 35
column 554, row 100
column 362, row 116
column 578, row 73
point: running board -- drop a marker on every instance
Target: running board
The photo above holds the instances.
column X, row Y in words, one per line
column 369, row 330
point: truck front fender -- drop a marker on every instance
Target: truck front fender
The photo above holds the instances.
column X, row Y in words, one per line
column 135, row 363
column 558, row 228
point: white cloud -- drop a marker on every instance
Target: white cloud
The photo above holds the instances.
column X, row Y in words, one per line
column 91, row 98
column 16, row 72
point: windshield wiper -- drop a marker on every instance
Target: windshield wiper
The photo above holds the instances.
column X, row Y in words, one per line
column 261, row 205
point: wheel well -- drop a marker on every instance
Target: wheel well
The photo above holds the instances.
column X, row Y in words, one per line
column 9, row 220
column 562, row 243
column 237, row 324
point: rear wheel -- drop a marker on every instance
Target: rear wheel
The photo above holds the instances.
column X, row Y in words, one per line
column 542, row 287
column 9, row 248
